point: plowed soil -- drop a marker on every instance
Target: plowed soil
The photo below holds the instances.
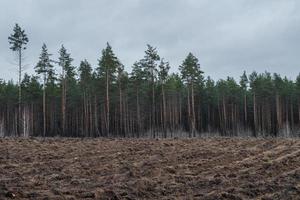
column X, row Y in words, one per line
column 216, row 168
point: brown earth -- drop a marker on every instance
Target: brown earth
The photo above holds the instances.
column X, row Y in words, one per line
column 216, row 168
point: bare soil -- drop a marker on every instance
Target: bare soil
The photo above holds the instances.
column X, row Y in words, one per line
column 216, row 168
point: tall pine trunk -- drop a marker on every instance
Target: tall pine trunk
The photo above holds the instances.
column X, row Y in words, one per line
column 153, row 107
column 63, row 105
column 193, row 111
column 121, row 130
column 189, row 111
column 164, row 111
column 254, row 115
column 107, row 104
column 20, row 95
column 44, row 106
column 138, row 116
column 245, row 111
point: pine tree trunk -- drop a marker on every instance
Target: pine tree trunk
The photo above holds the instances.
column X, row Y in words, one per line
column 126, row 115
column 20, row 94
column 245, row 110
column 96, row 116
column 208, row 118
column 299, row 113
column 44, row 106
column 153, row 107
column 121, row 112
column 287, row 118
column 224, row 116
column 193, row 111
column 254, row 114
column 164, row 111
column 63, row 105
column 107, row 104
column 292, row 116
column 189, row 112
column 278, row 113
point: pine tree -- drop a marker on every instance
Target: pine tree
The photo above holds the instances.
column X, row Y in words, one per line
column 244, row 84
column 86, row 81
column 253, row 86
column 210, row 101
column 18, row 41
column 191, row 74
column 164, row 68
column 122, row 79
column 45, row 68
column 149, row 64
column 65, row 61
column 108, row 65
column 138, row 78
column 278, row 85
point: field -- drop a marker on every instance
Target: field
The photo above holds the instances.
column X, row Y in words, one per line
column 220, row 168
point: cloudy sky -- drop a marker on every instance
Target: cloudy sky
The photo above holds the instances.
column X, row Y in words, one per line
column 228, row 36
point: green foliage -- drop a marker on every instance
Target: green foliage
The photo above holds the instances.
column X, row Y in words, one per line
column 65, row 61
column 85, row 75
column 108, row 64
column 122, row 77
column 18, row 39
column 149, row 98
column 32, row 89
column 190, row 70
column 138, row 74
column 45, row 67
column 164, row 68
column 244, row 81
column 174, row 83
column 149, row 63
column 210, row 92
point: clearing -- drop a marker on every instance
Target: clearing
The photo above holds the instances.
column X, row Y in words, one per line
column 208, row 168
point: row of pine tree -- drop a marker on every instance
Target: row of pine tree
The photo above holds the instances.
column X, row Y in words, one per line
column 149, row 101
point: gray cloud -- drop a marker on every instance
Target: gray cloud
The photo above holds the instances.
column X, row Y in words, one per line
column 227, row 36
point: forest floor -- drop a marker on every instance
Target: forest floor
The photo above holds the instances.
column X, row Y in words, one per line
column 216, row 168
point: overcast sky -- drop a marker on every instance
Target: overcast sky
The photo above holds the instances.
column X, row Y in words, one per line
column 227, row 36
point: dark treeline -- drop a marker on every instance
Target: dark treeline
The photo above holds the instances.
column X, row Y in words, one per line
column 107, row 101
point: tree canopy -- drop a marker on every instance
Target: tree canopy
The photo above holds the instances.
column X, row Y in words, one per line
column 109, row 100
